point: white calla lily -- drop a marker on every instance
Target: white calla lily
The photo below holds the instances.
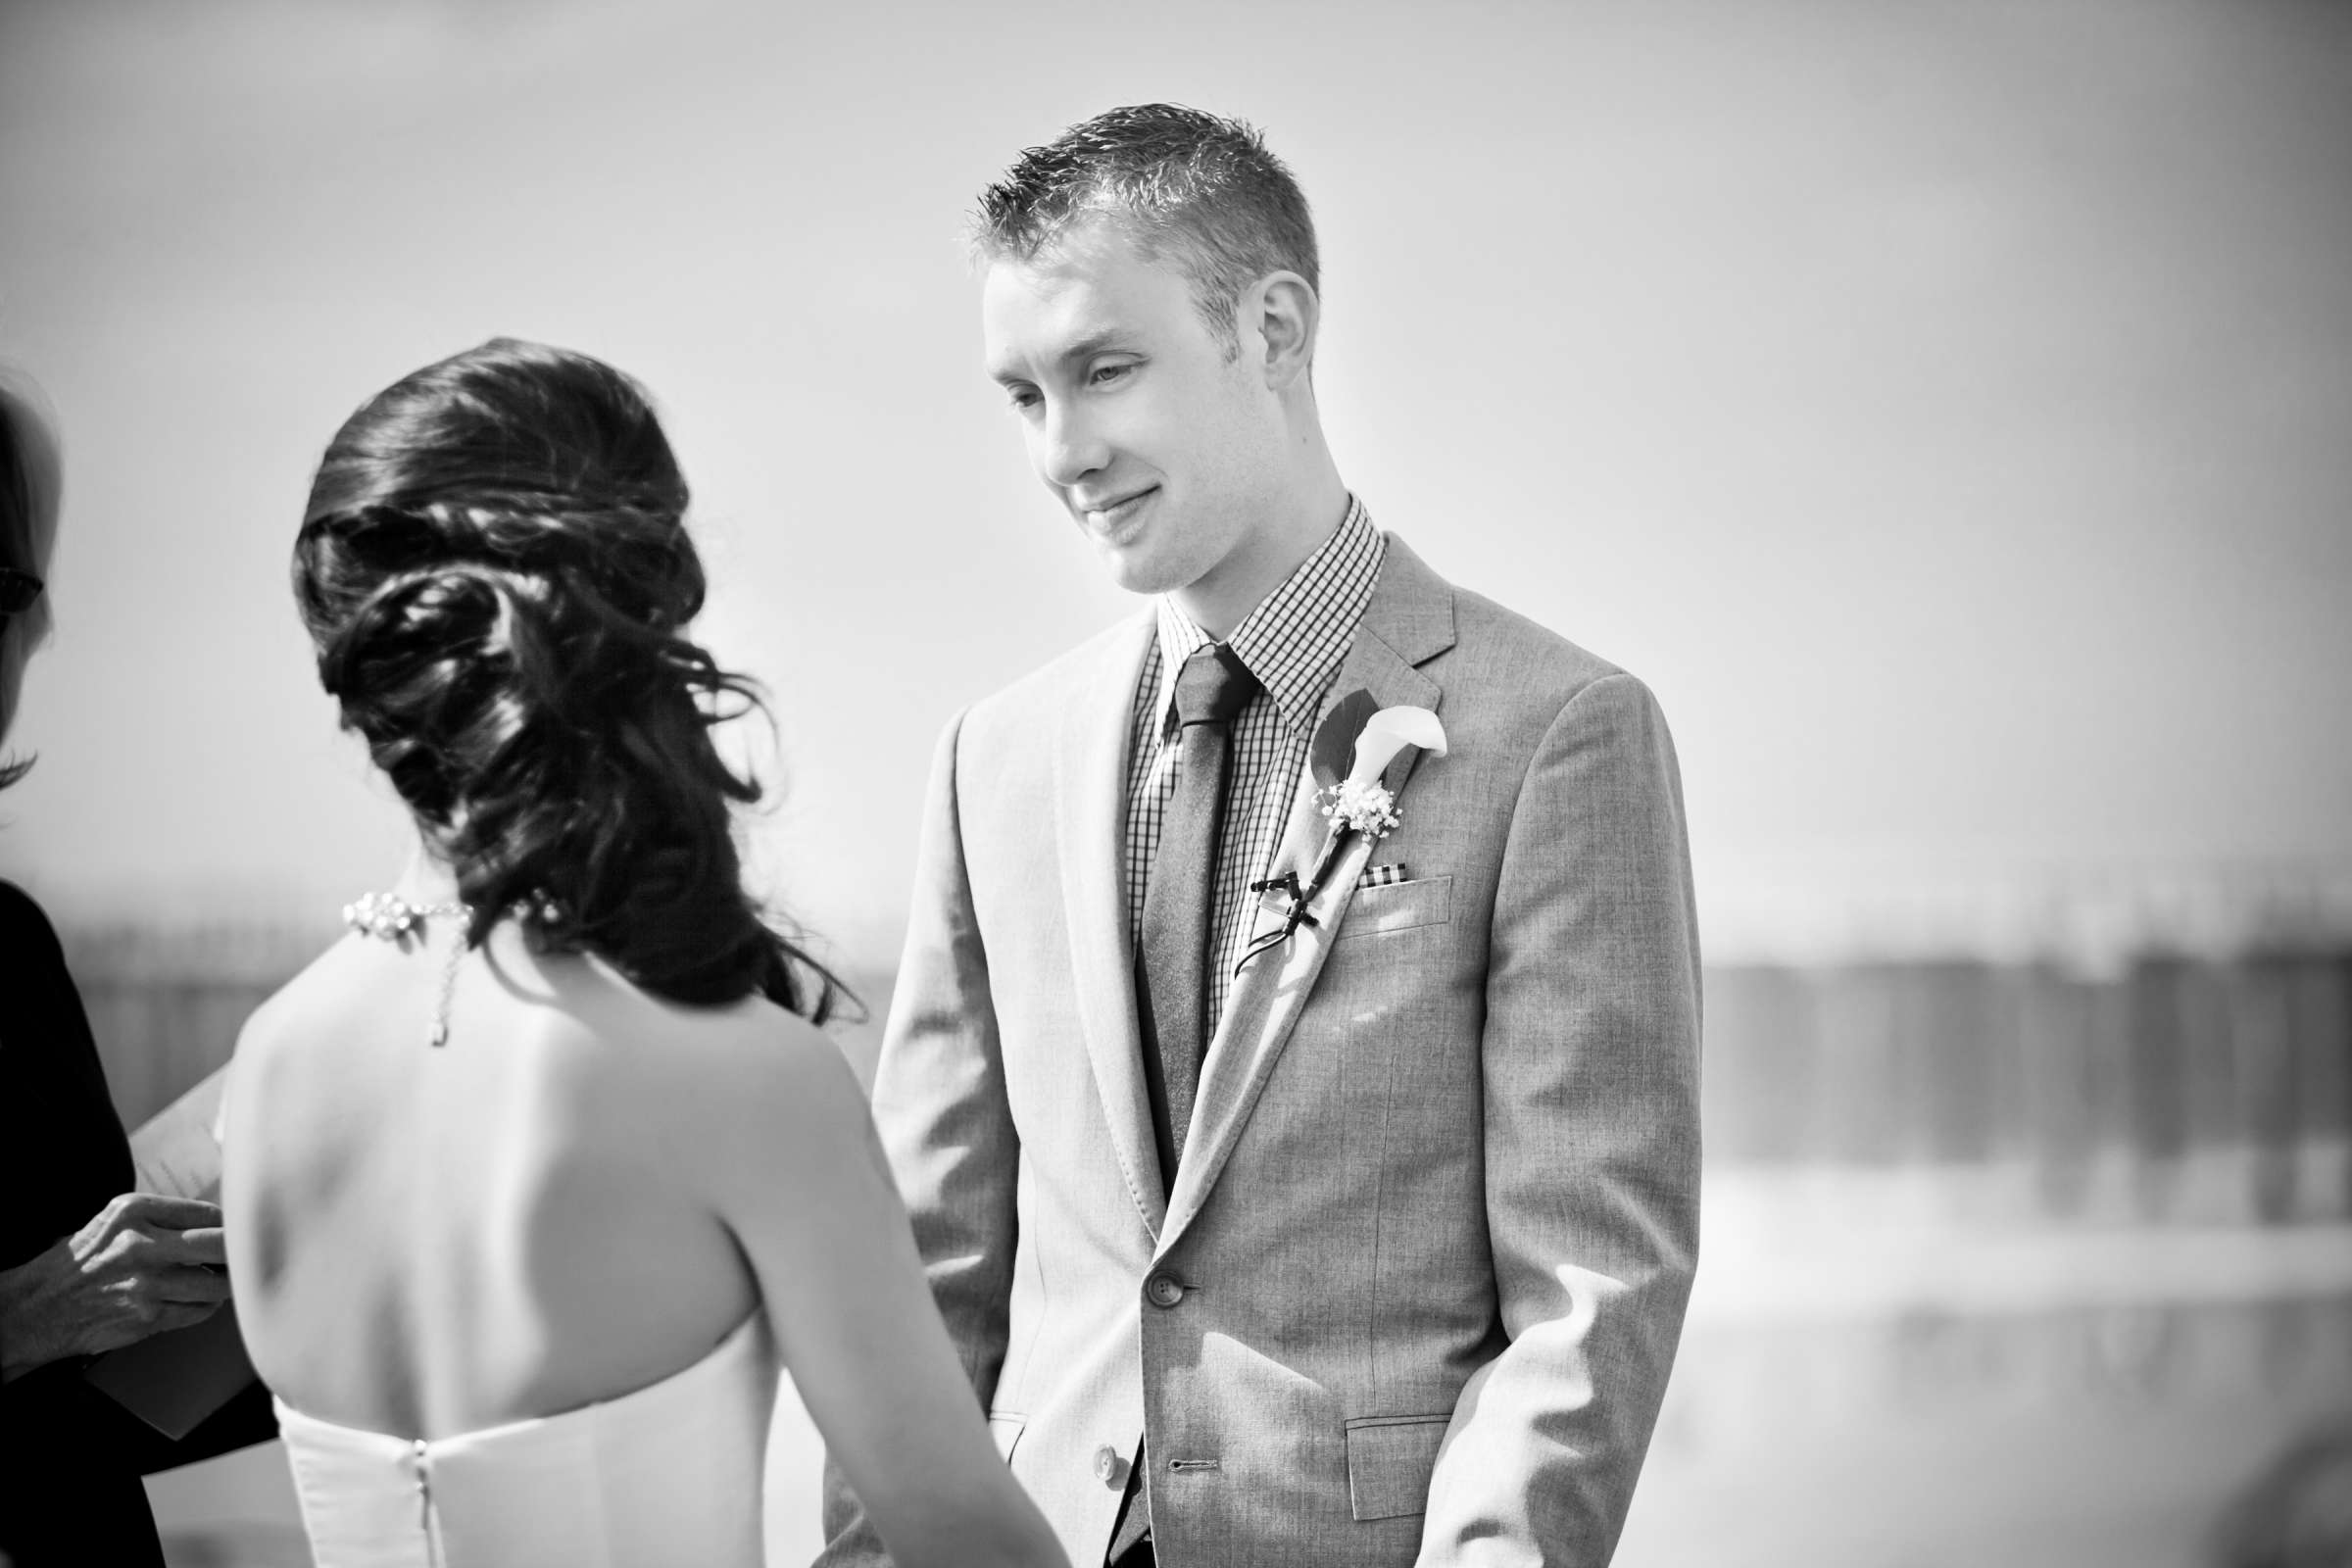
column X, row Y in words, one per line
column 1390, row 731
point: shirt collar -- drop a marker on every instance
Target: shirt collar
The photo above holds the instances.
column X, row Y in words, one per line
column 1294, row 641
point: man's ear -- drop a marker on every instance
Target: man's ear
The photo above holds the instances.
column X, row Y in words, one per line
column 1288, row 315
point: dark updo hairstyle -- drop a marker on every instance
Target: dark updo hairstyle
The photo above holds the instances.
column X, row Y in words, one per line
column 495, row 571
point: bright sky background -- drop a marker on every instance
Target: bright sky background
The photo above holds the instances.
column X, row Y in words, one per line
column 1946, row 409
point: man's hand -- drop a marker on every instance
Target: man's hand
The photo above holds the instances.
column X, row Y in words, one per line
column 143, row 1264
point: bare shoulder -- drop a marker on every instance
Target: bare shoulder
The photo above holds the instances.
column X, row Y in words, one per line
column 294, row 1057
column 758, row 1047
column 297, row 1010
column 761, row 1088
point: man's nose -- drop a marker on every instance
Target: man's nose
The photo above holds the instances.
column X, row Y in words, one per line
column 1069, row 447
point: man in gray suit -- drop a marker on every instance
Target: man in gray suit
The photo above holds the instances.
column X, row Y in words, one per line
column 1294, row 1196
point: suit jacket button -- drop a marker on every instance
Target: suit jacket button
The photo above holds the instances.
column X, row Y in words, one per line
column 1162, row 1290
column 1109, row 1468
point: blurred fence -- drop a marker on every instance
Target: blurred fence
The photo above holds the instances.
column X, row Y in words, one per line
column 166, row 1001
column 2154, row 1087
column 2180, row 1091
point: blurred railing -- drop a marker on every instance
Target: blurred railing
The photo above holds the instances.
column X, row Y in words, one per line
column 2181, row 1091
column 166, row 999
column 2190, row 1064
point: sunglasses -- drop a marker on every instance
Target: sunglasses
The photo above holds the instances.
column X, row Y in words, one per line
column 18, row 591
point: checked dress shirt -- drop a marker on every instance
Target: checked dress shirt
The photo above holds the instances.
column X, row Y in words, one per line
column 1292, row 642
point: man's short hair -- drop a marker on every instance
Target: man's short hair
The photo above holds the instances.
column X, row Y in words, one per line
column 1190, row 187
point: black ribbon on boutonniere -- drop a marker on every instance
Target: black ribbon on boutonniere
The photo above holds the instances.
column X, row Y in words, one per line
column 1329, row 756
column 1293, row 915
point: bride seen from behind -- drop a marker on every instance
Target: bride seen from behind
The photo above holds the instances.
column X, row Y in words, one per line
column 531, row 1180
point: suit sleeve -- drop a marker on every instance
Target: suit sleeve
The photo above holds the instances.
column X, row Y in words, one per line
column 938, row 1102
column 1590, row 1058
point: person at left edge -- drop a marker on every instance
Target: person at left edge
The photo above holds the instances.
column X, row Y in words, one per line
column 86, row 1265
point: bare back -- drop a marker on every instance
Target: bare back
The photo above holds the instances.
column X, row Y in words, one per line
column 429, row 1240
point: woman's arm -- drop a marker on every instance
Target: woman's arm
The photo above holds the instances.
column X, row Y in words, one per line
column 803, row 1184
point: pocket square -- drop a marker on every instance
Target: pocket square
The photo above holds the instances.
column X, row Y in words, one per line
column 1381, row 876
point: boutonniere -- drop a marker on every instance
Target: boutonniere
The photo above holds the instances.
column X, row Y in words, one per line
column 1355, row 802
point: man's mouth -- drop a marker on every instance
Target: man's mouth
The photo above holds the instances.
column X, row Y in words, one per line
column 1111, row 514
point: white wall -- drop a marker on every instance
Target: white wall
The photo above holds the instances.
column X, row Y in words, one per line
column 1945, row 407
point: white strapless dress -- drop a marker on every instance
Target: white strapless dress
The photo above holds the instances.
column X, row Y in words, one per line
column 667, row 1475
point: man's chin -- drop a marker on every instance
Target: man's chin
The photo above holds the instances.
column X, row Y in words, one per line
column 1136, row 570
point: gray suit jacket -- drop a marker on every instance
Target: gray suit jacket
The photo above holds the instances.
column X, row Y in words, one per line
column 1416, row 1290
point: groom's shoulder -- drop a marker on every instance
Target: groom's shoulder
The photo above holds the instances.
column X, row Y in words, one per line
column 1046, row 691
column 1514, row 689
column 1522, row 655
column 1499, row 654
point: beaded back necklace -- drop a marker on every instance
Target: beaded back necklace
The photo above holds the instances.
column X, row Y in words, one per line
column 389, row 917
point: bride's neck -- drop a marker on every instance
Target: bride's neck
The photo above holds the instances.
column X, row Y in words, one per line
column 426, row 878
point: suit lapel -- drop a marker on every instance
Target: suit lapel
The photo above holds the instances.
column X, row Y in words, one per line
column 1090, row 783
column 1408, row 623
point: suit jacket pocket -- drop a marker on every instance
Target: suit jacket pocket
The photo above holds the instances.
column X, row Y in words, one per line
column 1398, row 906
column 1004, row 1426
column 1389, row 1458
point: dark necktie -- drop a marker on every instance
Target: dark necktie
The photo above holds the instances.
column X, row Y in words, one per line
column 1172, row 978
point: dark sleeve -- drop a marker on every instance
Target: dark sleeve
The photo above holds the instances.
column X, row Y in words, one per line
column 246, row 1419
column 62, row 1150
column 71, row 1494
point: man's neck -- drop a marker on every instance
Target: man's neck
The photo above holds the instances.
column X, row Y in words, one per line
column 1222, row 599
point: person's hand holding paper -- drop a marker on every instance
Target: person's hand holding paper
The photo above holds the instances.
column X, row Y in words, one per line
column 144, row 1264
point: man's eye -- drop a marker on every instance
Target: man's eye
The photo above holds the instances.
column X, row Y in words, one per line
column 1104, row 375
column 1023, row 397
